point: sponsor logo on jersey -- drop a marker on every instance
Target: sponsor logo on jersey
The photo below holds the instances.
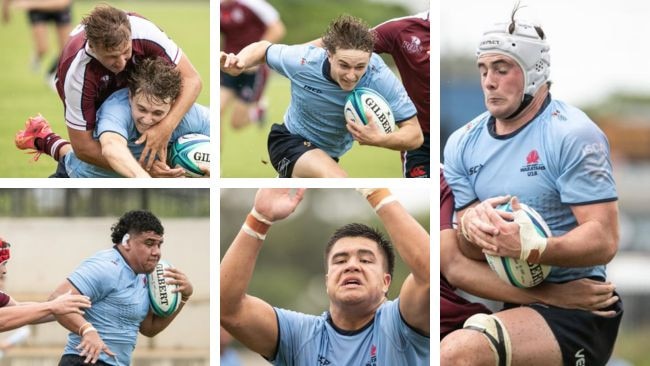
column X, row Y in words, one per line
column 417, row 172
column 373, row 356
column 414, row 46
column 580, row 357
column 533, row 165
column 323, row 361
column 558, row 115
column 312, row 89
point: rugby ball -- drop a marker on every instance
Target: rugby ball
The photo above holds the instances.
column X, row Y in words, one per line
column 164, row 302
column 518, row 272
column 364, row 100
column 189, row 152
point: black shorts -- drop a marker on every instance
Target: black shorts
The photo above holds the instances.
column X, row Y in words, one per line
column 59, row 17
column 247, row 87
column 285, row 148
column 417, row 163
column 584, row 338
column 76, row 360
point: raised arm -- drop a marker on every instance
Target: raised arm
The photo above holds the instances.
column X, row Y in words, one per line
column 411, row 241
column 251, row 320
column 250, row 56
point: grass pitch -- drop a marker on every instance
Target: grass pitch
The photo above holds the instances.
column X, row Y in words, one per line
column 24, row 93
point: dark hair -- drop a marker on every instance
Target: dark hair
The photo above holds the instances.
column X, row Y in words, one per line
column 363, row 231
column 138, row 221
column 511, row 27
column 349, row 33
column 159, row 81
column 107, row 27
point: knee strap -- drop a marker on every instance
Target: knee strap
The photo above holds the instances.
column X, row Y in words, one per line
column 492, row 328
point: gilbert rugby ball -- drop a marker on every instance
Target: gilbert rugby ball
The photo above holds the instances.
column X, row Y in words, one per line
column 362, row 100
column 189, row 152
column 518, row 272
column 163, row 301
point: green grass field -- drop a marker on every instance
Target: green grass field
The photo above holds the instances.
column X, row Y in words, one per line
column 244, row 153
column 24, row 93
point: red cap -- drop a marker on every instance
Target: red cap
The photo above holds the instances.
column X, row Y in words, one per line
column 4, row 251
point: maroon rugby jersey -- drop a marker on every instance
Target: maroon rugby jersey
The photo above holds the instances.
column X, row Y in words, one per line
column 407, row 40
column 244, row 22
column 454, row 309
column 83, row 83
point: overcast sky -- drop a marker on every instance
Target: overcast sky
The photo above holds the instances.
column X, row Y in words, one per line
column 597, row 47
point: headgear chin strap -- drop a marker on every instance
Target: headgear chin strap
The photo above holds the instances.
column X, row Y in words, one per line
column 522, row 43
column 5, row 253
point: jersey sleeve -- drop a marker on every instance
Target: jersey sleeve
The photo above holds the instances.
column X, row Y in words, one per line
column 446, row 204
column 456, row 173
column 151, row 41
column 283, row 58
column 586, row 169
column 294, row 329
column 384, row 37
column 95, row 278
column 389, row 86
column 114, row 116
column 196, row 120
column 404, row 336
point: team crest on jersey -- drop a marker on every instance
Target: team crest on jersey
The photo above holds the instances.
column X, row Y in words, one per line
column 414, row 46
column 322, row 361
column 373, row 356
column 533, row 164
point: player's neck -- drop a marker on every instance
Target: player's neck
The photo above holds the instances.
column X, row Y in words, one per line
column 506, row 126
column 351, row 318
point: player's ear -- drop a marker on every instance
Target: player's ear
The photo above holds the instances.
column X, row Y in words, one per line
column 125, row 240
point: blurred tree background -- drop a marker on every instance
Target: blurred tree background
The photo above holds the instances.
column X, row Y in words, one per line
column 290, row 270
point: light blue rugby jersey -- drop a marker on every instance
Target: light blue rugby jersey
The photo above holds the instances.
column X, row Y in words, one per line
column 316, row 108
column 120, row 303
column 386, row 341
column 115, row 116
column 559, row 159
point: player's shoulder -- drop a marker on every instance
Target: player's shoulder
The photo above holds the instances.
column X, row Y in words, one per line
column 471, row 128
column 421, row 19
column 571, row 119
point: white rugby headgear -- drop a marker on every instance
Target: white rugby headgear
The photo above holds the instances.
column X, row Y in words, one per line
column 525, row 46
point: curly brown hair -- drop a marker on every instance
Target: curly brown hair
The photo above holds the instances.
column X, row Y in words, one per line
column 107, row 27
column 156, row 79
column 348, row 33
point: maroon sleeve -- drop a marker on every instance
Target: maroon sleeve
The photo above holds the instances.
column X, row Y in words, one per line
column 4, row 299
column 383, row 37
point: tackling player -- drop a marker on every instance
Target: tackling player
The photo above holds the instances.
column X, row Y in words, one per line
column 362, row 326
column 153, row 87
column 242, row 23
column 552, row 157
column 14, row 314
column 315, row 134
column 406, row 39
column 475, row 277
column 115, row 280
column 95, row 63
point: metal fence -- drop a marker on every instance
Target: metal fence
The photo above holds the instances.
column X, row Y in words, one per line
column 97, row 202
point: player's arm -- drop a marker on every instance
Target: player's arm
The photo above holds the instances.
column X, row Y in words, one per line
column 593, row 242
column 91, row 344
column 116, row 151
column 86, row 148
column 407, row 137
column 474, row 224
column 154, row 324
column 15, row 314
column 250, row 56
column 249, row 319
column 411, row 241
column 157, row 137
column 476, row 278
